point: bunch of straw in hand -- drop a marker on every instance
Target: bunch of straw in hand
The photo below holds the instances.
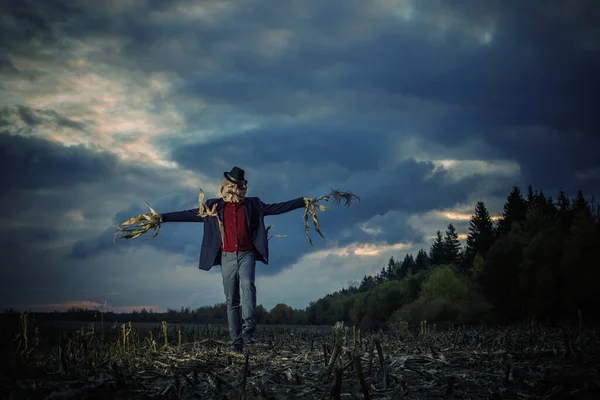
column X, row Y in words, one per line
column 139, row 225
column 310, row 208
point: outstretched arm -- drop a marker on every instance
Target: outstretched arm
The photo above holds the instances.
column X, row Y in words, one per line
column 281, row 208
column 182, row 216
column 139, row 225
column 191, row 215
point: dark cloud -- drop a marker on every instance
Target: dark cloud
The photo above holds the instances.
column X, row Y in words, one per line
column 29, row 238
column 519, row 81
column 29, row 23
column 341, row 145
column 27, row 116
column 529, row 74
column 33, row 117
column 35, row 163
column 6, row 67
column 551, row 159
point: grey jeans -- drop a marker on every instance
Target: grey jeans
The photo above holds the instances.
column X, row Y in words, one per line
column 238, row 269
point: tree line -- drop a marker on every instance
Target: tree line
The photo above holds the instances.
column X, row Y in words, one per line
column 212, row 314
column 537, row 261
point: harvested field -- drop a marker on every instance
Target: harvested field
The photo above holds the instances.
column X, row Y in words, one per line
column 124, row 362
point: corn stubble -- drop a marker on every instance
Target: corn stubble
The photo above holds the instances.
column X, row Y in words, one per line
column 164, row 360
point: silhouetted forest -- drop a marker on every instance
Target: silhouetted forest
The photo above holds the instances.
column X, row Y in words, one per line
column 538, row 261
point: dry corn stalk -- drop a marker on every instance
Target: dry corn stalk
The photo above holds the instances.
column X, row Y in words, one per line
column 310, row 206
column 139, row 225
column 272, row 236
column 204, row 211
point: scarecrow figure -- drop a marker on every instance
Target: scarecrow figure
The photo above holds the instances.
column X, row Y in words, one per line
column 235, row 237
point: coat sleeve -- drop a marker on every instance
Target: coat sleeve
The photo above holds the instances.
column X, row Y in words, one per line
column 190, row 215
column 182, row 216
column 281, row 208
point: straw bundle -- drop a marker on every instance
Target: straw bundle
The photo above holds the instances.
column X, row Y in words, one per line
column 139, row 225
column 204, row 212
column 310, row 208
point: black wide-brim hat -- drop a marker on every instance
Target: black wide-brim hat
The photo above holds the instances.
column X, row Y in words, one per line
column 236, row 175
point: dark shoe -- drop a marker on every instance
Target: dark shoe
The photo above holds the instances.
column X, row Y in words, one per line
column 237, row 348
column 250, row 339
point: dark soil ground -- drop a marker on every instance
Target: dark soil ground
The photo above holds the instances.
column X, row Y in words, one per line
column 136, row 361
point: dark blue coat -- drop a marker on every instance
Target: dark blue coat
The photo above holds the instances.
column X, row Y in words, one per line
column 256, row 210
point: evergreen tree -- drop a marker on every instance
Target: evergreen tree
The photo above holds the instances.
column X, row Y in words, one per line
column 392, row 269
column 481, row 235
column 540, row 200
column 544, row 204
column 437, row 253
column 531, row 195
column 581, row 205
column 367, row 284
column 580, row 276
column 594, row 209
column 380, row 277
column 563, row 202
column 499, row 276
column 422, row 261
column 515, row 210
column 550, row 207
column 563, row 205
column 597, row 218
column 539, row 266
column 451, row 245
column 408, row 266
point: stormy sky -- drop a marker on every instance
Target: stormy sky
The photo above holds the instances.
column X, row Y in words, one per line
column 421, row 108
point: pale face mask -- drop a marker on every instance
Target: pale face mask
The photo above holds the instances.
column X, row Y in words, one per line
column 231, row 192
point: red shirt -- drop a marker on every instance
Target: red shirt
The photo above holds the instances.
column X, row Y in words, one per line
column 237, row 237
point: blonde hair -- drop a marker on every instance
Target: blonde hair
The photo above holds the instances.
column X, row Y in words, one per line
column 225, row 183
